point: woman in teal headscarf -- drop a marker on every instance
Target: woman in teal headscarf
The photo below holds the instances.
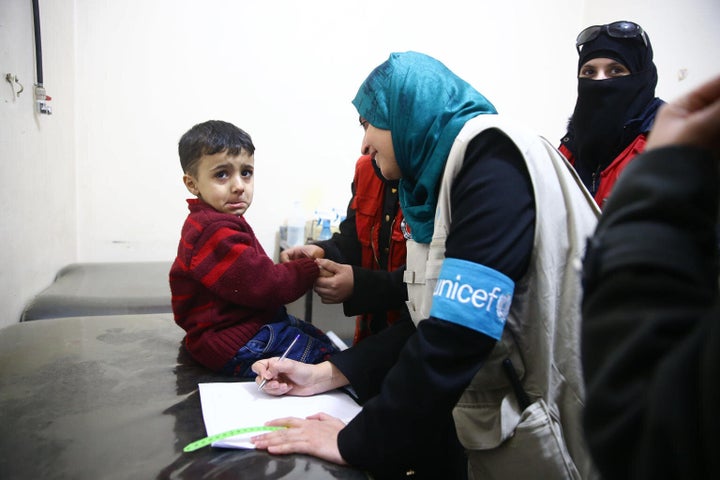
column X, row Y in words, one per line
column 429, row 106
column 489, row 206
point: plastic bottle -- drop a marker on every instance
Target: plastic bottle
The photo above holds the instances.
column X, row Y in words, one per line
column 296, row 226
column 327, row 220
column 325, row 232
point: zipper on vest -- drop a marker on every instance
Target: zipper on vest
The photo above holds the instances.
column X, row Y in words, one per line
column 595, row 176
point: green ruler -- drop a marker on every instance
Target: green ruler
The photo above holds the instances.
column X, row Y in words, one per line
column 203, row 442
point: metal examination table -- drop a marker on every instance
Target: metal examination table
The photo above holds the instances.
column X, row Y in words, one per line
column 104, row 288
column 115, row 397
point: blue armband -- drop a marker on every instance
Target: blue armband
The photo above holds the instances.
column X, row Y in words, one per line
column 473, row 295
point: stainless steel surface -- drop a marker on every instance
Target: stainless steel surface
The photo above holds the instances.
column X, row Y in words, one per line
column 115, row 397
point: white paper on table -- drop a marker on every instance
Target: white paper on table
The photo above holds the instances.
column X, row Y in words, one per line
column 231, row 405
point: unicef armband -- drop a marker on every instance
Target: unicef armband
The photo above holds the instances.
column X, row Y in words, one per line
column 472, row 295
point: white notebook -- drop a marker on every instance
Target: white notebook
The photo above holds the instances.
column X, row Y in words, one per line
column 237, row 405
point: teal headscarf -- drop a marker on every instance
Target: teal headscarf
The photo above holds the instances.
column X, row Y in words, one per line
column 425, row 106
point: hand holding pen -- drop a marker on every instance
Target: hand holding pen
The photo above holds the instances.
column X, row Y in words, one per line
column 285, row 354
column 297, row 378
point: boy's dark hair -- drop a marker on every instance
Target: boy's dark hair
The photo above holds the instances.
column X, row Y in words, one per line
column 209, row 138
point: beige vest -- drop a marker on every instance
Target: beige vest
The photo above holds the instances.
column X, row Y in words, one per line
column 542, row 333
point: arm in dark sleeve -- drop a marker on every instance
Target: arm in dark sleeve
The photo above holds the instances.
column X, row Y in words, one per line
column 375, row 291
column 492, row 196
column 366, row 364
column 649, row 313
column 344, row 246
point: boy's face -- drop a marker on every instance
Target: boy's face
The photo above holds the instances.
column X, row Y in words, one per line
column 225, row 182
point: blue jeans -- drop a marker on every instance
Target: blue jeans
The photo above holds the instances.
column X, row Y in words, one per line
column 273, row 339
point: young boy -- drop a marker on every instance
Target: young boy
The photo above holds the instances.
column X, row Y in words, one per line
column 227, row 294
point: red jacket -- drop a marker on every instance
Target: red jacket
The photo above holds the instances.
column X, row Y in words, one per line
column 224, row 286
column 370, row 193
column 609, row 176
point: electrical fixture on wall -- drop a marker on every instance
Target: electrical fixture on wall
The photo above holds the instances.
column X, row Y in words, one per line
column 42, row 99
column 15, row 83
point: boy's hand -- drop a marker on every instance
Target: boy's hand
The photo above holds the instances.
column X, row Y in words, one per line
column 302, row 251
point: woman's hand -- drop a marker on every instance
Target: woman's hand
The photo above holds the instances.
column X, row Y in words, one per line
column 288, row 376
column 335, row 283
column 316, row 435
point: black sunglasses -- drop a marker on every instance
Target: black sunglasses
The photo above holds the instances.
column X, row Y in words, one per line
column 620, row 29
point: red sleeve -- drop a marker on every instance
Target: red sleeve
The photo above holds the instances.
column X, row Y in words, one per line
column 231, row 263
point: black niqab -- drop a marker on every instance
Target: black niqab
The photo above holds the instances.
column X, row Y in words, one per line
column 602, row 122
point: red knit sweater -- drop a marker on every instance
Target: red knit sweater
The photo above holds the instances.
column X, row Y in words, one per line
column 225, row 287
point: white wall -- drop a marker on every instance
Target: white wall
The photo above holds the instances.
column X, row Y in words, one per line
column 38, row 223
column 285, row 72
column 684, row 36
column 99, row 180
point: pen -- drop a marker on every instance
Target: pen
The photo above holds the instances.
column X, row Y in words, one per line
column 262, row 384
